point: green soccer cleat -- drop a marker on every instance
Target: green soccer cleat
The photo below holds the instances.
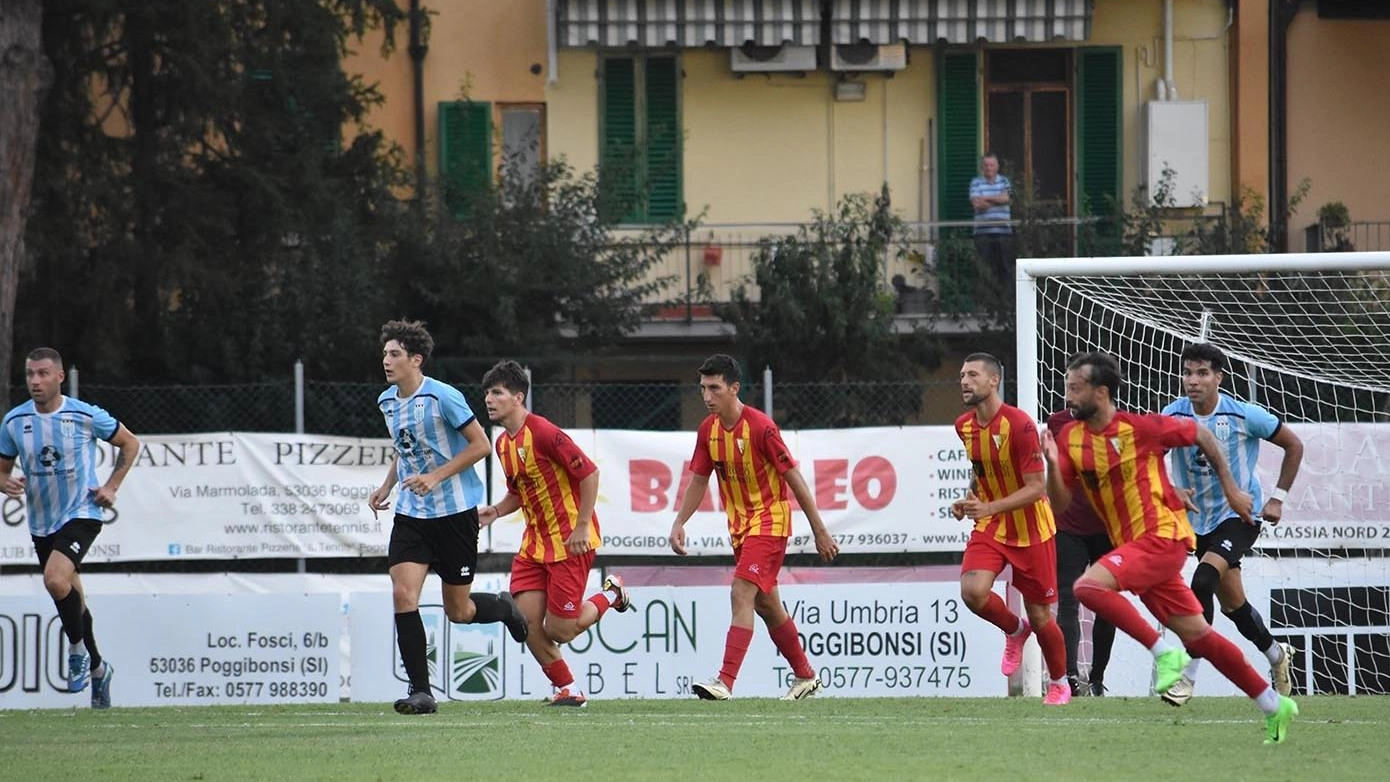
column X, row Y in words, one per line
column 1277, row 724
column 1168, row 669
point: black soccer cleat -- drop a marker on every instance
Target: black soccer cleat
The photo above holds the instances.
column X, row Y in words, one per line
column 420, row 702
column 515, row 620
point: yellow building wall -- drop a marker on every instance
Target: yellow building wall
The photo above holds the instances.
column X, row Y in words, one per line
column 483, row 50
column 1337, row 117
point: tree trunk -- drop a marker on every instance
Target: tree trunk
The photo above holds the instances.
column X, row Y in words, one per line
column 24, row 78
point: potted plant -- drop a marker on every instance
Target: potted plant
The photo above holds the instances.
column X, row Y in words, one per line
column 1332, row 232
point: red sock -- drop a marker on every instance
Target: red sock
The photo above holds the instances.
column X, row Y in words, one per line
column 1054, row 649
column 602, row 602
column 735, row 648
column 1227, row 659
column 558, row 673
column 1114, row 608
column 999, row 615
column 784, row 635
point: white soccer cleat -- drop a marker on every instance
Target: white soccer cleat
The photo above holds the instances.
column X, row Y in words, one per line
column 803, row 688
column 1279, row 672
column 1180, row 692
column 713, row 690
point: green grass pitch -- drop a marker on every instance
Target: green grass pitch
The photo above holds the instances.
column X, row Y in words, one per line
column 1093, row 739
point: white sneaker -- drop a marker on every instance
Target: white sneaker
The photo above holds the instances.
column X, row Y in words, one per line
column 1180, row 692
column 1279, row 672
column 713, row 690
column 803, row 688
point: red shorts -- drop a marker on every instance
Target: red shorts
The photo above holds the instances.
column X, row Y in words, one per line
column 1035, row 566
column 562, row 582
column 759, row 559
column 1151, row 567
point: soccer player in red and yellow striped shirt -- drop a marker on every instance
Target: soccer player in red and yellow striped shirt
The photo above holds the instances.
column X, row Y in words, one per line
column 756, row 470
column 1117, row 460
column 1013, row 523
column 555, row 485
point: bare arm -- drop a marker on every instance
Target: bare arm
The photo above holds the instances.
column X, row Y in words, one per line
column 1033, row 489
column 127, row 450
column 1240, row 501
column 378, row 501
column 490, row 513
column 694, row 492
column 825, row 545
column 1285, row 438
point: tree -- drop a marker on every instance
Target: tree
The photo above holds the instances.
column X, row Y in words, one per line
column 209, row 205
column 25, row 75
column 824, row 313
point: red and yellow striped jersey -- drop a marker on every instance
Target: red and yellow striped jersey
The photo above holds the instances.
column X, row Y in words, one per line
column 1121, row 470
column 1001, row 452
column 750, row 459
column 543, row 467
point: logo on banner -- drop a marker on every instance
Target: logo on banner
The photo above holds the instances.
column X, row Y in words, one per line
column 470, row 657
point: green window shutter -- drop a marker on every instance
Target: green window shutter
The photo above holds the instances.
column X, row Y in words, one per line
column 465, row 152
column 1099, row 129
column 958, row 135
column 619, row 163
column 663, row 147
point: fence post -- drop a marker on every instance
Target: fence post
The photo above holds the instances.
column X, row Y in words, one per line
column 72, row 383
column 689, row 285
column 303, row 565
column 767, row 391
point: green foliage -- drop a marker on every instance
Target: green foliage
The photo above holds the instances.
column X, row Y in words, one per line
column 824, row 310
column 1334, row 214
column 530, row 254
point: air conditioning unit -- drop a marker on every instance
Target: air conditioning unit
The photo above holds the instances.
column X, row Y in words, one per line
column 751, row 58
column 868, row 57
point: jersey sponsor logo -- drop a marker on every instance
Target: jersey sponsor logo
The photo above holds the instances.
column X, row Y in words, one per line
column 50, row 456
column 405, row 441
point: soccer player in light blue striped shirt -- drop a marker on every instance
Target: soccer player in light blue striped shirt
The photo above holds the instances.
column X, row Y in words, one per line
column 54, row 440
column 438, row 441
column 1222, row 538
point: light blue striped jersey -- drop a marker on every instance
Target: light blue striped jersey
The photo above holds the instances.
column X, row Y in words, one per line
column 58, row 453
column 425, row 428
column 979, row 186
column 1239, row 427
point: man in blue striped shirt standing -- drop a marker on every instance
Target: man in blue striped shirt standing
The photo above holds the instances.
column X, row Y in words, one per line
column 54, row 440
column 1222, row 538
column 438, row 441
column 989, row 195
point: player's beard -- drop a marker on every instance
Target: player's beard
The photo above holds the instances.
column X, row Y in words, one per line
column 972, row 398
column 1082, row 412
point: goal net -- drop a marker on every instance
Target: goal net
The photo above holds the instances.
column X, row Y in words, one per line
column 1306, row 336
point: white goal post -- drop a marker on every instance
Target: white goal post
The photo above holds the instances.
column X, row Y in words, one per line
column 1306, row 336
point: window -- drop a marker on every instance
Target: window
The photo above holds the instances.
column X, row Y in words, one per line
column 1028, row 120
column 465, row 152
column 640, row 138
column 523, row 138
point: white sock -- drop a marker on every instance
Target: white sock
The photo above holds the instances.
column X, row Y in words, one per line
column 1062, row 682
column 1268, row 701
column 1160, row 646
column 78, row 648
column 1275, row 653
column 1191, row 670
column 1022, row 623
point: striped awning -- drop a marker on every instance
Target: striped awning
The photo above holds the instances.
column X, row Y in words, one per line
column 959, row 21
column 687, row 23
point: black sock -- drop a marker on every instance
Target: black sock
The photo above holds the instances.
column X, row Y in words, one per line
column 1205, row 580
column 70, row 614
column 410, row 638
column 1251, row 625
column 90, row 639
column 490, row 608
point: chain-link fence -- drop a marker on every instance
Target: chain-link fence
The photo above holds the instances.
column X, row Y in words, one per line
column 340, row 408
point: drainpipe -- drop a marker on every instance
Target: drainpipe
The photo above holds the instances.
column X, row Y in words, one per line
column 418, row 50
column 1168, row 88
column 1281, row 13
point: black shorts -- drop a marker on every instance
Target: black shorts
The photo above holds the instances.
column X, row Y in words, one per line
column 449, row 544
column 1232, row 539
column 73, row 539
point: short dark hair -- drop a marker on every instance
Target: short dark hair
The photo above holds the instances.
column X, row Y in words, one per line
column 412, row 336
column 723, row 365
column 1103, row 370
column 39, row 354
column 509, row 375
column 994, row 365
column 1205, row 351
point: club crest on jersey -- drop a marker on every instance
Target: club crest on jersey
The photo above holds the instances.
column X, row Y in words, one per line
column 739, row 443
column 998, row 441
column 1222, row 428
column 521, row 452
column 68, row 427
column 1115, row 443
